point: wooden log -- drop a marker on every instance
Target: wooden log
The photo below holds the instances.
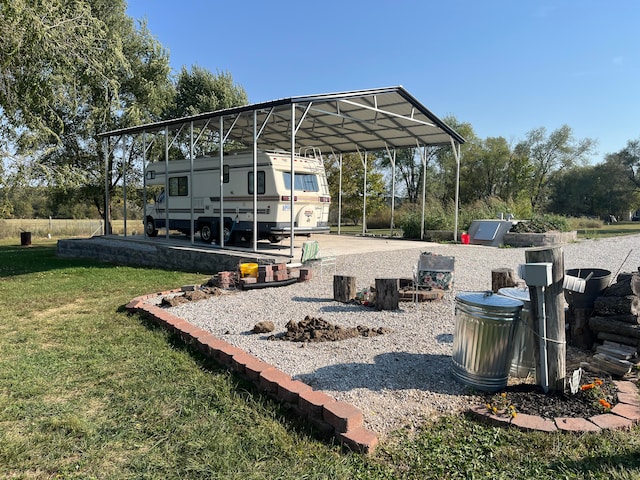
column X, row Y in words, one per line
column 616, row 367
column 617, row 305
column 580, row 335
column 619, row 346
column 502, row 278
column 606, row 336
column 604, row 324
column 387, row 293
column 626, row 284
column 630, row 319
column 344, row 288
column 615, row 352
column 554, row 307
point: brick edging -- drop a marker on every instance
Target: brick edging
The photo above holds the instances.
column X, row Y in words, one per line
column 622, row 416
column 340, row 419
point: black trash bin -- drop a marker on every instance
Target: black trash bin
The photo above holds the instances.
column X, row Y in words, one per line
column 25, row 238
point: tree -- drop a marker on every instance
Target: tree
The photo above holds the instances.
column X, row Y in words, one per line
column 629, row 160
column 353, row 186
column 48, row 48
column 548, row 155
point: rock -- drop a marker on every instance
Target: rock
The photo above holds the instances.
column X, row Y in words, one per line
column 263, row 327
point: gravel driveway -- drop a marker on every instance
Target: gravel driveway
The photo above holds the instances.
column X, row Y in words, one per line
column 399, row 379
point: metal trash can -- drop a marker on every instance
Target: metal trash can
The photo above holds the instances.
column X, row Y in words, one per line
column 483, row 339
column 523, row 361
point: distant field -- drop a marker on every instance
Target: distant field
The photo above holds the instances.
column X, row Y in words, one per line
column 42, row 228
column 57, row 228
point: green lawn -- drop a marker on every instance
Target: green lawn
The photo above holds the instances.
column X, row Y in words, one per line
column 87, row 391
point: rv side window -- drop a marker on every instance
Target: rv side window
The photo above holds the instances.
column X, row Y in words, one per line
column 260, row 182
column 304, row 181
column 178, row 187
column 225, row 173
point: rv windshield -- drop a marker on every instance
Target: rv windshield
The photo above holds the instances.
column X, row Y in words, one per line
column 304, row 181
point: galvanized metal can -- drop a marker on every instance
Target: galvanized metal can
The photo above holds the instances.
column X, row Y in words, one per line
column 523, row 361
column 483, row 339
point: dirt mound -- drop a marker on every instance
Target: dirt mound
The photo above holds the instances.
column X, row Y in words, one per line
column 190, row 296
column 318, row 330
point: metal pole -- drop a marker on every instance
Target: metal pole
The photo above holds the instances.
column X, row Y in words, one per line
column 255, row 181
column 423, row 156
column 144, row 183
column 124, row 186
column 107, row 201
column 293, row 178
column 456, row 154
column 221, row 200
column 190, row 186
column 340, row 196
column 364, row 196
column 166, row 181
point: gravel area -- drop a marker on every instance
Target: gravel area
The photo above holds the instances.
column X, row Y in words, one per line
column 399, row 379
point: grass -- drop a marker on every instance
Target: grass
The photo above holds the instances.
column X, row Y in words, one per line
column 611, row 230
column 87, row 391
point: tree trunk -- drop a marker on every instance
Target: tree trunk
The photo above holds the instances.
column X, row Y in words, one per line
column 344, row 288
column 581, row 335
column 387, row 293
column 503, row 277
column 626, row 284
column 605, row 324
column 612, row 337
column 617, row 305
column 554, row 308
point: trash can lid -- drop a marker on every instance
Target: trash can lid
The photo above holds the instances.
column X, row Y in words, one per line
column 488, row 299
column 515, row 292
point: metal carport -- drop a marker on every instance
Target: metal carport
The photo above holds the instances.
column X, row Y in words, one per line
column 335, row 123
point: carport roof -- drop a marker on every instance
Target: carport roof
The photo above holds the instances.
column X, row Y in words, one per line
column 365, row 120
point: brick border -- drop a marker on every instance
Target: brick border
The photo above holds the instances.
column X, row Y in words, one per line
column 622, row 416
column 339, row 419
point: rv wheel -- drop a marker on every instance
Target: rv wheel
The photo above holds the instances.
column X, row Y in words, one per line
column 150, row 228
column 206, row 233
column 275, row 238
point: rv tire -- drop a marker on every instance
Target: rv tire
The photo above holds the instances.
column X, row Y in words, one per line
column 150, row 228
column 206, row 233
column 275, row 238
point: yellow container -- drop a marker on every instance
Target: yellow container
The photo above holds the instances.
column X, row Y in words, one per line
column 249, row 270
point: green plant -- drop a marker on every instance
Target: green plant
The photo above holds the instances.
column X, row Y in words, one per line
column 542, row 224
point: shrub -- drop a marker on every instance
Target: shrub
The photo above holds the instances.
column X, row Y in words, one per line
column 542, row 224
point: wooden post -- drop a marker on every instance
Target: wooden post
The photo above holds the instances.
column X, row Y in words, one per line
column 387, row 293
column 503, row 277
column 344, row 288
column 554, row 307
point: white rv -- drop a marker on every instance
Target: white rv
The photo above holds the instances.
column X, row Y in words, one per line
column 311, row 196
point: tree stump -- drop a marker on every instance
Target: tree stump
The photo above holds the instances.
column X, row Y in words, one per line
column 344, row 288
column 503, row 277
column 580, row 335
column 387, row 293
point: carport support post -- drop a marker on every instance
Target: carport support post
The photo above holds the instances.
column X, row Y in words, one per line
column 107, row 200
column 124, row 185
column 456, row 154
column 340, row 196
column 192, row 221
column 166, row 182
column 293, row 179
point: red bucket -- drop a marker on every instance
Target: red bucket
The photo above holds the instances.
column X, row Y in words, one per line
column 465, row 238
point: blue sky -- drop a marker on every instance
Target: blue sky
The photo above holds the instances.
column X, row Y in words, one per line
column 505, row 67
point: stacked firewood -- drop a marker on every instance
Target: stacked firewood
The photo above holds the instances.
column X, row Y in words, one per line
column 615, row 322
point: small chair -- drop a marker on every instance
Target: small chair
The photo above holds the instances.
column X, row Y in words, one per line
column 433, row 271
column 311, row 255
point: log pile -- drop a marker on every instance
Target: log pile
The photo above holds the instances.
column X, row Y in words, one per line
column 615, row 322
